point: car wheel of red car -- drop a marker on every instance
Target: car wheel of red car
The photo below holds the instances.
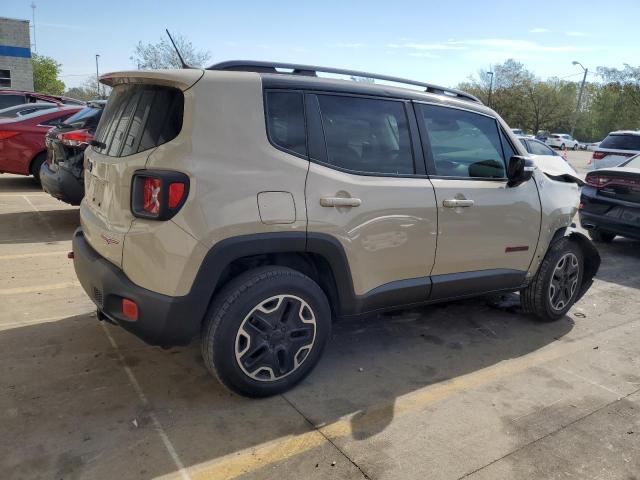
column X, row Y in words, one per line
column 36, row 163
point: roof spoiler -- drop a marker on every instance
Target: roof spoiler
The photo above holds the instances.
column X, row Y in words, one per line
column 312, row 71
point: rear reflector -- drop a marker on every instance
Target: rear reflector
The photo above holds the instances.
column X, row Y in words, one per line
column 5, row 134
column 129, row 309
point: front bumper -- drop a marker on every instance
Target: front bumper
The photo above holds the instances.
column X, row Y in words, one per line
column 609, row 215
column 162, row 320
column 62, row 184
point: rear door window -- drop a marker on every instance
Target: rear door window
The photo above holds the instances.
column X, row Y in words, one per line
column 621, row 142
column 138, row 118
column 366, row 135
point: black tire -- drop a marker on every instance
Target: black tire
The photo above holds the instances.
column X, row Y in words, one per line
column 222, row 334
column 575, row 146
column 599, row 236
column 562, row 147
column 36, row 164
column 536, row 298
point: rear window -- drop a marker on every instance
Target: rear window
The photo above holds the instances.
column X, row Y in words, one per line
column 621, row 142
column 138, row 118
column 86, row 118
column 9, row 100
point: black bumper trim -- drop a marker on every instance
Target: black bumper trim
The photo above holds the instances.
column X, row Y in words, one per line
column 62, row 184
column 162, row 320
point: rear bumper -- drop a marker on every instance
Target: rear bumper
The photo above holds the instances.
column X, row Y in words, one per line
column 162, row 320
column 608, row 215
column 62, row 184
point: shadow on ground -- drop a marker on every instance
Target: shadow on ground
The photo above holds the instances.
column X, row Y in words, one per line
column 18, row 184
column 41, row 226
column 71, row 411
column 620, row 262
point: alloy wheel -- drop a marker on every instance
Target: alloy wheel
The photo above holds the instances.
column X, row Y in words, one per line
column 275, row 338
column 564, row 281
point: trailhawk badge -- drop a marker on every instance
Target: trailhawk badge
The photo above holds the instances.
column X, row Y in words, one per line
column 109, row 240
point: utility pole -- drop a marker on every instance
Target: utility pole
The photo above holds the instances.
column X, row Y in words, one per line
column 33, row 21
column 490, row 88
column 584, row 79
column 97, row 76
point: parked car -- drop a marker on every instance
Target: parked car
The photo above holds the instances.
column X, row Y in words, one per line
column 550, row 161
column 542, row 135
column 615, row 149
column 22, row 148
column 62, row 174
column 24, row 109
column 592, row 147
column 10, row 98
column 251, row 207
column 561, row 141
column 610, row 202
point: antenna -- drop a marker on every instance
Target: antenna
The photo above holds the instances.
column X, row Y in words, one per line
column 184, row 65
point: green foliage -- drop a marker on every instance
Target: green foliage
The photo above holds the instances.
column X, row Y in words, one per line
column 89, row 91
column 527, row 102
column 45, row 75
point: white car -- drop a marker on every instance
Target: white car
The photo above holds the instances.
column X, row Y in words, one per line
column 560, row 140
column 618, row 147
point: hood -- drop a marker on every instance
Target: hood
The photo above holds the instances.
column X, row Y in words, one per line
column 557, row 169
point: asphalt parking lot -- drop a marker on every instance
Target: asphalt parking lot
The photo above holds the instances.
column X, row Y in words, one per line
column 466, row 390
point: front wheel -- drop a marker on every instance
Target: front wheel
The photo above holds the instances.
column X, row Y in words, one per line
column 266, row 331
column 575, row 146
column 555, row 287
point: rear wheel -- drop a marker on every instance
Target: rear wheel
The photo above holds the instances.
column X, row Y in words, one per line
column 555, row 287
column 601, row 237
column 266, row 331
column 562, row 146
column 36, row 164
column 575, row 146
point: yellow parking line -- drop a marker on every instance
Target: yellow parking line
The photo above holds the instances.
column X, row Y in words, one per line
column 252, row 459
column 37, row 288
column 35, row 254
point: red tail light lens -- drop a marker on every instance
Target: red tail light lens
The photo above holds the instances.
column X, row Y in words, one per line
column 599, row 181
column 151, row 195
column 597, row 156
column 75, row 138
column 158, row 194
column 6, row 134
column 176, row 193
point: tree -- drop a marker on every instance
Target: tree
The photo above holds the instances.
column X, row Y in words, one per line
column 45, row 75
column 88, row 90
column 163, row 55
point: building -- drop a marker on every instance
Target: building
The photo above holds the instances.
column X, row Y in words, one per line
column 16, row 70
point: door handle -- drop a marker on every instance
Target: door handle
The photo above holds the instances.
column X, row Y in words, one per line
column 454, row 203
column 340, row 202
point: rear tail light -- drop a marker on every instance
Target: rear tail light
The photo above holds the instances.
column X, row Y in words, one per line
column 597, row 156
column 599, row 180
column 7, row 134
column 75, row 138
column 158, row 194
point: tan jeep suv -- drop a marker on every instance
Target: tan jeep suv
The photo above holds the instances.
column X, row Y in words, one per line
column 252, row 203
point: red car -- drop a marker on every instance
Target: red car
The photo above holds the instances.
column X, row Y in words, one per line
column 22, row 147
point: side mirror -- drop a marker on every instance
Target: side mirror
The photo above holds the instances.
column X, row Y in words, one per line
column 519, row 170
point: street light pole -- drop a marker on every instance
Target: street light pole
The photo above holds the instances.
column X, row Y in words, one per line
column 584, row 79
column 97, row 76
column 490, row 88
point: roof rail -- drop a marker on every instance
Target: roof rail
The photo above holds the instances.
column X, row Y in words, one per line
column 312, row 71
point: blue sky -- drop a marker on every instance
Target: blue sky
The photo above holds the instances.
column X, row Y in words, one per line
column 440, row 42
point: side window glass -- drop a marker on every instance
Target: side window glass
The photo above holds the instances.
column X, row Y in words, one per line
column 285, row 121
column 507, row 149
column 525, row 144
column 463, row 143
column 366, row 135
column 540, row 149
